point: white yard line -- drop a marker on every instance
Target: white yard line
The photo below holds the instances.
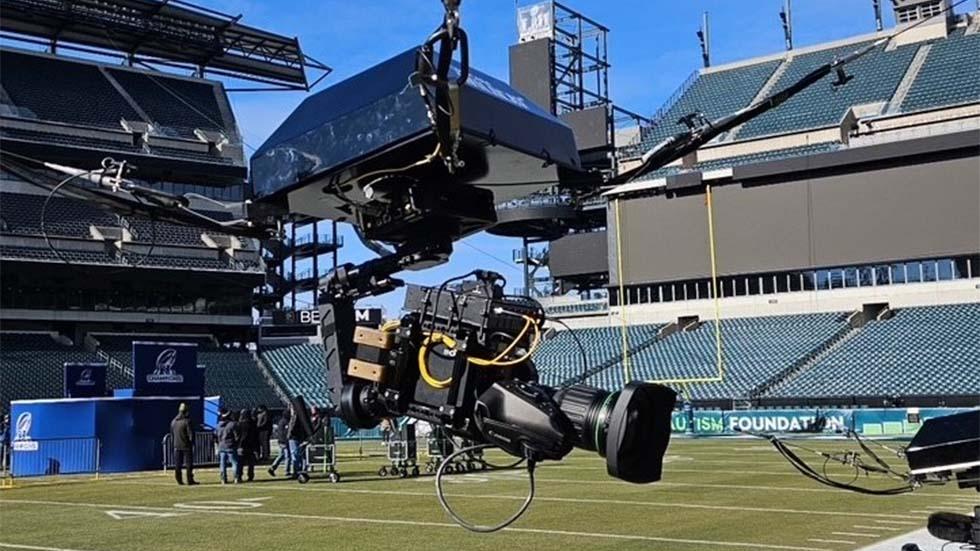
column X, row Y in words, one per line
column 666, row 504
column 397, row 522
column 902, row 522
column 819, row 540
column 33, row 547
column 866, row 527
column 856, row 534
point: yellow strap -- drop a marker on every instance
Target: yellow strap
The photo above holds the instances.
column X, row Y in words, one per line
column 435, row 338
column 449, row 342
column 480, row 361
column 516, row 361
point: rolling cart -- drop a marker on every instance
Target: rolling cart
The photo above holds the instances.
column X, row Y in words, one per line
column 438, row 446
column 402, row 451
column 322, row 453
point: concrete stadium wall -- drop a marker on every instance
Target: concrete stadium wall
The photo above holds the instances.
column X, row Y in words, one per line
column 808, row 302
column 924, row 210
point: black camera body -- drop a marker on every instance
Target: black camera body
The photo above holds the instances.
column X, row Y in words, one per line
column 449, row 327
column 460, row 359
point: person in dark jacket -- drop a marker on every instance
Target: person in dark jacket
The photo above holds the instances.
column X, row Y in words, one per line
column 248, row 444
column 227, row 436
column 182, row 436
column 296, row 434
column 282, row 436
column 263, row 424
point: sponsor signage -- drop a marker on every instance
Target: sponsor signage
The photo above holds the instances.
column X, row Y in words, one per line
column 362, row 316
column 22, row 435
column 85, row 380
column 535, row 21
column 165, row 369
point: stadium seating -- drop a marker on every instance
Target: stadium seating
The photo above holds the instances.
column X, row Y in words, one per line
column 129, row 259
column 559, row 358
column 754, row 350
column 714, row 94
column 81, row 257
column 876, row 77
column 300, row 371
column 63, row 217
column 32, row 367
column 731, row 162
column 71, row 141
column 951, row 74
column 72, row 218
column 234, row 375
column 920, row 351
column 229, row 373
column 174, row 104
column 48, row 89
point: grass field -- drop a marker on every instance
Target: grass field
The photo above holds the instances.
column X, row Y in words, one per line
column 716, row 494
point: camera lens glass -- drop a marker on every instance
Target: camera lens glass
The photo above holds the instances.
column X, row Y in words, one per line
column 630, row 428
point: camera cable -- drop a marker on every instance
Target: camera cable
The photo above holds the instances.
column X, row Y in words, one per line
column 484, row 529
column 798, row 463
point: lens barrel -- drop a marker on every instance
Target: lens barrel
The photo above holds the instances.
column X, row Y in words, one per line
column 630, row 428
column 588, row 409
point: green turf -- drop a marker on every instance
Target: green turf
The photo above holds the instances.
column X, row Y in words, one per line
column 716, row 494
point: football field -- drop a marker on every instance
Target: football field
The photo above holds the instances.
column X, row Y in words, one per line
column 716, row 494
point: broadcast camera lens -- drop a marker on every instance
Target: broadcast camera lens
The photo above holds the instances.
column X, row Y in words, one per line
column 630, row 428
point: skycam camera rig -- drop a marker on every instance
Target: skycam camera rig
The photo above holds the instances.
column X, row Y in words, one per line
column 415, row 153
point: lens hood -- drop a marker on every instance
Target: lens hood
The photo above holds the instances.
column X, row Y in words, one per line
column 639, row 432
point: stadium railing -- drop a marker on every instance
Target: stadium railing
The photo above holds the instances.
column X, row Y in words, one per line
column 36, row 457
column 205, row 453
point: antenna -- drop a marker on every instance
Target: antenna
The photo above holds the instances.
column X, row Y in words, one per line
column 879, row 26
column 786, row 16
column 704, row 36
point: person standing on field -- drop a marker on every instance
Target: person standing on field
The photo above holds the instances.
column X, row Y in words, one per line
column 282, row 436
column 248, row 443
column 182, row 436
column 227, row 436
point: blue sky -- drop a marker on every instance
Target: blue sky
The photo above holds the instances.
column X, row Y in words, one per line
column 652, row 48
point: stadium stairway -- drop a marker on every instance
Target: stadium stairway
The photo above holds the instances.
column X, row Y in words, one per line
column 273, row 382
column 809, row 360
column 92, row 345
column 299, row 370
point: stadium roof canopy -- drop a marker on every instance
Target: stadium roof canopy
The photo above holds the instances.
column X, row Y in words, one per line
column 167, row 32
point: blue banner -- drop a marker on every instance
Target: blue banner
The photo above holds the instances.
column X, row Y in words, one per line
column 85, row 380
column 166, row 369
